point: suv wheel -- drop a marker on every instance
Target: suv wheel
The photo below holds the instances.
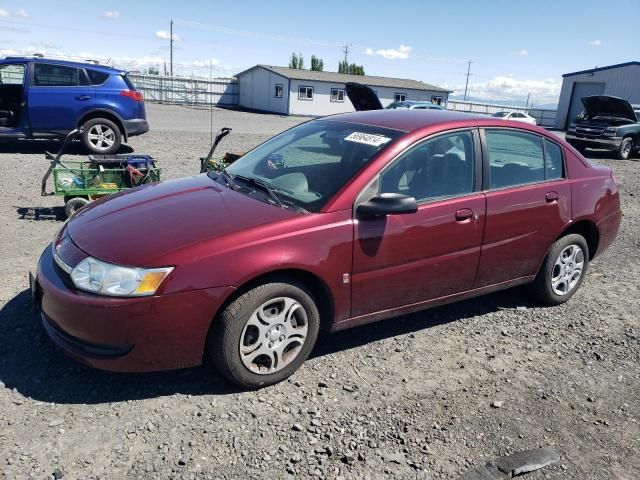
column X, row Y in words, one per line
column 626, row 147
column 265, row 335
column 563, row 270
column 101, row 136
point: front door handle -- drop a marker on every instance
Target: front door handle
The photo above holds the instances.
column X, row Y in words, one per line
column 83, row 97
column 464, row 214
column 551, row 197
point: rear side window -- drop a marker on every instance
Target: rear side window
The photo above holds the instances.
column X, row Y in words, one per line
column 129, row 82
column 553, row 164
column 46, row 75
column 515, row 158
column 96, row 77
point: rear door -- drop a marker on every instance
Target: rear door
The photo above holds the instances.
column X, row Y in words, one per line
column 59, row 95
column 400, row 260
column 528, row 203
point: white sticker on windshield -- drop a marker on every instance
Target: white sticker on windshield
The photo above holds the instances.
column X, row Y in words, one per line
column 367, row 139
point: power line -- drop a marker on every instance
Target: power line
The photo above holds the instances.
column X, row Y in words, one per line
column 466, row 86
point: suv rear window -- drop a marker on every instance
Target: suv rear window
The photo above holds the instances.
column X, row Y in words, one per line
column 46, row 75
column 96, row 77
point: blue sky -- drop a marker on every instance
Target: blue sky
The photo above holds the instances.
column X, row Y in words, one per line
column 518, row 47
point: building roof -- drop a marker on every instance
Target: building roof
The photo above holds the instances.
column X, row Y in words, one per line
column 599, row 69
column 333, row 77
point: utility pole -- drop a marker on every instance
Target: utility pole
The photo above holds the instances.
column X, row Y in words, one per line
column 466, row 87
column 526, row 105
column 171, row 48
column 346, row 52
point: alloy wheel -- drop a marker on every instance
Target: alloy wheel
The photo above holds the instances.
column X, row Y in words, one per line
column 101, row 136
column 567, row 270
column 273, row 335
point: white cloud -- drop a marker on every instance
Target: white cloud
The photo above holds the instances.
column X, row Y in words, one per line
column 504, row 87
column 401, row 53
column 22, row 13
column 203, row 63
column 111, row 14
column 3, row 13
column 164, row 35
column 595, row 43
column 522, row 53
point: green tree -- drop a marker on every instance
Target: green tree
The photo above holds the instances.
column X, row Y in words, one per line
column 153, row 71
column 300, row 62
column 293, row 61
column 317, row 65
column 350, row 68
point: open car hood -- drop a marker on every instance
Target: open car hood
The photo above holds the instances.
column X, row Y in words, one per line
column 606, row 106
column 362, row 97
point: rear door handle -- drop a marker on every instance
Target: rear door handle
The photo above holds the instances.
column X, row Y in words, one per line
column 464, row 214
column 83, row 97
column 551, row 197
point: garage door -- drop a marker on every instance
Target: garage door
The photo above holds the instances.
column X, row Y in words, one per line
column 581, row 90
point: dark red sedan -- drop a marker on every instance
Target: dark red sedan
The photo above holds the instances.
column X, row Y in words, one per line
column 334, row 223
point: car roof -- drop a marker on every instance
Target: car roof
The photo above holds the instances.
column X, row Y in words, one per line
column 404, row 120
column 69, row 63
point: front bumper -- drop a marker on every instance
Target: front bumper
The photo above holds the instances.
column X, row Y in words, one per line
column 610, row 143
column 142, row 334
column 137, row 126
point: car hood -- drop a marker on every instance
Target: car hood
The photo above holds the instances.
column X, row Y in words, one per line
column 142, row 227
column 362, row 97
column 606, row 106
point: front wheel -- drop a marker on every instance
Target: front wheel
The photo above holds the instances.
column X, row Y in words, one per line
column 101, row 136
column 562, row 271
column 626, row 147
column 265, row 335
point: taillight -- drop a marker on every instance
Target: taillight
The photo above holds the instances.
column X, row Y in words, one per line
column 137, row 96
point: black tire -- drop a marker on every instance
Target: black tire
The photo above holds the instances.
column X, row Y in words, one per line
column 626, row 148
column 101, row 145
column 224, row 340
column 541, row 288
column 73, row 205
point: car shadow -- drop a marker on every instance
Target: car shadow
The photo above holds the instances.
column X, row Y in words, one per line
column 53, row 214
column 33, row 147
column 32, row 365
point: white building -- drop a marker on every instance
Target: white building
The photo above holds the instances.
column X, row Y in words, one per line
column 621, row 80
column 305, row 92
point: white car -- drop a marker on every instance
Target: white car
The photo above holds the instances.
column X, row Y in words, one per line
column 517, row 116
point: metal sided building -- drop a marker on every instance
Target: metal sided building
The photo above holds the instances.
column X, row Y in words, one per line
column 305, row 92
column 621, row 80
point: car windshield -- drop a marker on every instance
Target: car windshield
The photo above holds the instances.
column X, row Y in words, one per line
column 308, row 164
column 500, row 114
column 397, row 105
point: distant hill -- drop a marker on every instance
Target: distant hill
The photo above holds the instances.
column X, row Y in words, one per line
column 513, row 103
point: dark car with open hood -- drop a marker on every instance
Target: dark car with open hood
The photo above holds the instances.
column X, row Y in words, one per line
column 399, row 211
column 609, row 123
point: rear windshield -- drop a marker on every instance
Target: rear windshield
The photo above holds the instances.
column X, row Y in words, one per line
column 500, row 114
column 129, row 83
column 96, row 77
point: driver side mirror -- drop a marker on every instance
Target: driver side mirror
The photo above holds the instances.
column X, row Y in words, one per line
column 387, row 204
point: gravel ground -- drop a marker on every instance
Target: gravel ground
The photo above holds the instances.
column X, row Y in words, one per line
column 424, row 396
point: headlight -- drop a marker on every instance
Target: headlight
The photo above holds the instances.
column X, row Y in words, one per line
column 610, row 131
column 99, row 277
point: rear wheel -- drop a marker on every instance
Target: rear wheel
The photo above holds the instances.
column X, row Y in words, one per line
column 563, row 270
column 626, row 147
column 265, row 335
column 101, row 136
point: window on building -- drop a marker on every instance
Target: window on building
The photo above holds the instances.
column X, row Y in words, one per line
column 337, row 95
column 437, row 99
column 437, row 168
column 278, row 90
column 515, row 158
column 305, row 93
column 46, row 75
column 400, row 97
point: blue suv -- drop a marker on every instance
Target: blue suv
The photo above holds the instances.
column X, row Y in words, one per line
column 44, row 98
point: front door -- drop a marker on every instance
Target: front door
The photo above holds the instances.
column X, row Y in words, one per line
column 405, row 259
column 528, row 204
column 59, row 96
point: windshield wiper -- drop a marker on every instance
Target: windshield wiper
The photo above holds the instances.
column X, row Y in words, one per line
column 265, row 187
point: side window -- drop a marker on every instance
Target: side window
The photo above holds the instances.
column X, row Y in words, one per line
column 440, row 167
column 278, row 90
column 553, row 164
column 305, row 93
column 515, row 158
column 46, row 75
column 11, row 74
column 96, row 77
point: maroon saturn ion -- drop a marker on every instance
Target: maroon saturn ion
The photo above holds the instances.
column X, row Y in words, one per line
column 337, row 222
